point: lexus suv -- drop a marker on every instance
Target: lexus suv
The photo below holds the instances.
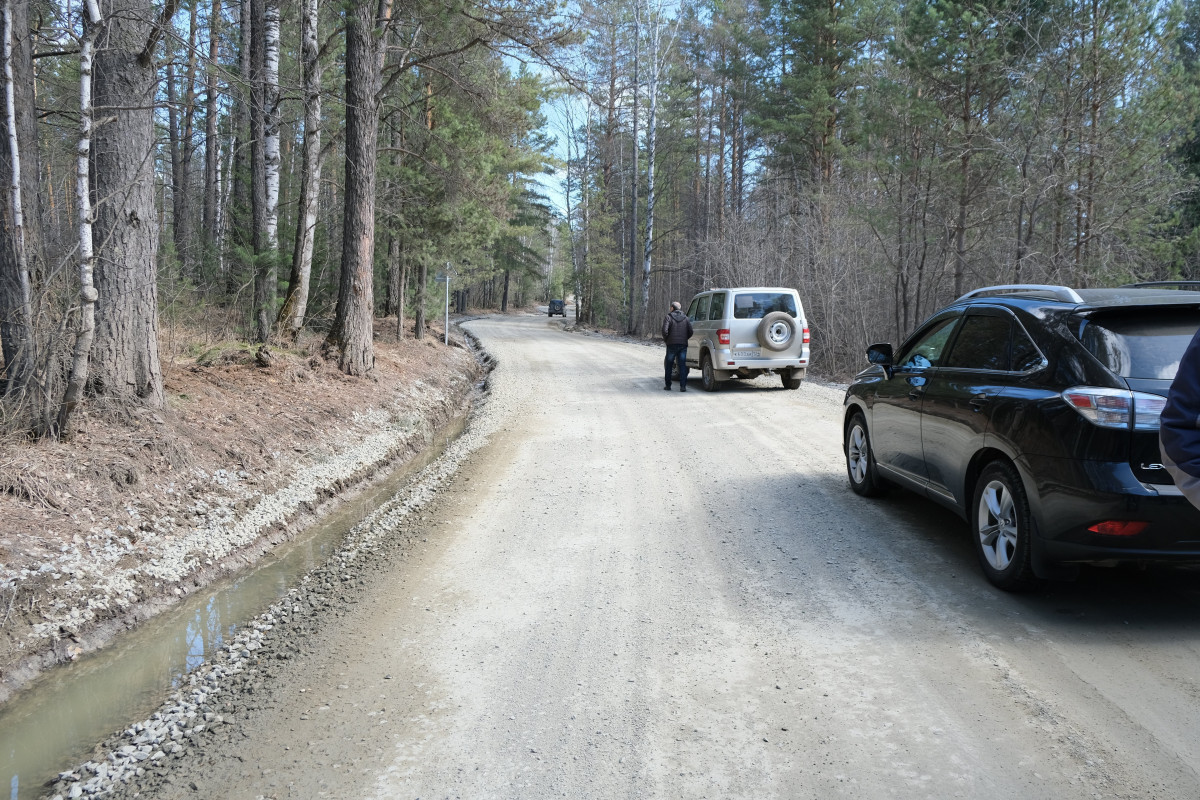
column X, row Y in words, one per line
column 1033, row 411
column 744, row 333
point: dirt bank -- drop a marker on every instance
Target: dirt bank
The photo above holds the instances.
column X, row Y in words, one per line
column 143, row 508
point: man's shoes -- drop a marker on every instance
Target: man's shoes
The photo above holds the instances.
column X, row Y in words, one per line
column 667, row 388
column 683, row 388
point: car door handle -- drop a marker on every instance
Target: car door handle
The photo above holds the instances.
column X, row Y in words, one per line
column 978, row 402
column 915, row 394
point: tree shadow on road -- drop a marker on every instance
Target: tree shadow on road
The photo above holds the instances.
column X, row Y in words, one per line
column 1158, row 597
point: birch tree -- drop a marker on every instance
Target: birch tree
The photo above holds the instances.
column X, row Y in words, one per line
column 295, row 305
column 658, row 61
column 182, row 119
column 212, row 144
column 264, row 159
column 20, row 233
column 81, row 353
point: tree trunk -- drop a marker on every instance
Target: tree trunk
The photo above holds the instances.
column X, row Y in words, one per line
column 125, row 360
column 85, row 338
column 353, row 322
column 21, row 259
column 212, row 147
column 964, row 199
column 391, row 303
column 241, row 191
column 584, row 304
column 651, row 123
column 175, row 149
column 182, row 118
column 422, row 299
column 402, row 291
column 260, row 169
column 722, row 135
column 187, row 250
column 635, row 320
column 291, row 316
column 271, row 154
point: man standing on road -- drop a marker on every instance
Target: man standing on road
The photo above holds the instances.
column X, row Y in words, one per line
column 676, row 330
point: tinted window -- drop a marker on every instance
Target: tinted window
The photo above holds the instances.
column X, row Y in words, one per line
column 699, row 309
column 1025, row 355
column 692, row 308
column 983, row 343
column 756, row 305
column 1141, row 344
column 718, row 306
column 927, row 350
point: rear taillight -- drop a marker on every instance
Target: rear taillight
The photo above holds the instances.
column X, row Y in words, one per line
column 723, row 336
column 1116, row 408
column 1119, row 527
column 805, row 339
column 1147, row 409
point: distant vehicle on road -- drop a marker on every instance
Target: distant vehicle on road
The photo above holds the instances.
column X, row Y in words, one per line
column 744, row 333
column 557, row 307
column 1033, row 412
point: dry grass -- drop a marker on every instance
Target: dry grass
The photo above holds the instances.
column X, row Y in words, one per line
column 224, row 411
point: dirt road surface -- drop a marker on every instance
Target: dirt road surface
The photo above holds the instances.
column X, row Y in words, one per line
column 630, row 593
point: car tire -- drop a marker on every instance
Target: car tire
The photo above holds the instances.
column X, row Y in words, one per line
column 708, row 376
column 860, row 459
column 789, row 379
column 1002, row 527
column 777, row 331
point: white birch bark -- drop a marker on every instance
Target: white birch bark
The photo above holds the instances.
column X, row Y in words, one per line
column 224, row 182
column 212, row 143
column 635, row 319
column 87, row 289
column 585, row 285
column 14, row 147
column 271, row 107
column 657, row 60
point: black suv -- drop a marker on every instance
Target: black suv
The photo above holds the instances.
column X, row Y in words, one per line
column 1033, row 412
column 556, row 307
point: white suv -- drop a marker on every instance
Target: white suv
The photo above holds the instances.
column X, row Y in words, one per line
column 742, row 333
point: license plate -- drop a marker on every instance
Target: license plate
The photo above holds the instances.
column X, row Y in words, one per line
column 747, row 353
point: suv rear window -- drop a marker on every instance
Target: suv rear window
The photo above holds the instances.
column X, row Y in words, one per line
column 1141, row 344
column 756, row 305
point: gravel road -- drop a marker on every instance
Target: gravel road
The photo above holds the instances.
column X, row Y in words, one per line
column 625, row 592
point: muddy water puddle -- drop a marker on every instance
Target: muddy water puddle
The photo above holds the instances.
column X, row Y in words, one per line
column 55, row 722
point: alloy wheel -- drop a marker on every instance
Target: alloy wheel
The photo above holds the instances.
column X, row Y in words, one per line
column 998, row 530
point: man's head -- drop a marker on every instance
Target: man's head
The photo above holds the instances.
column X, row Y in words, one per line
column 675, row 306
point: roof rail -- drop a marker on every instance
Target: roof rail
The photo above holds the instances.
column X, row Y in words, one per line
column 1193, row 285
column 1064, row 293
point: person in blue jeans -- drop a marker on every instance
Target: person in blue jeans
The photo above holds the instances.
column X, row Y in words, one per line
column 1179, row 425
column 676, row 330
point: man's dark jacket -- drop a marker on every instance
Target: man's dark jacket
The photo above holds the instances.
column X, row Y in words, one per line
column 1179, row 431
column 677, row 328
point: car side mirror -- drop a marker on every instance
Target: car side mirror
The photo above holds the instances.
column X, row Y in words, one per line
column 880, row 354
